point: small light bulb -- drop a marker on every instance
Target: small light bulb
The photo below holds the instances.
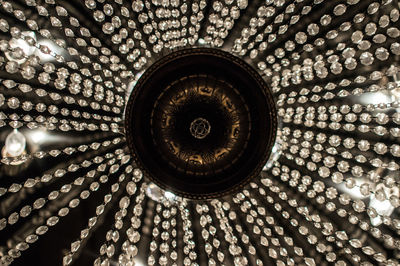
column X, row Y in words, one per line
column 15, row 143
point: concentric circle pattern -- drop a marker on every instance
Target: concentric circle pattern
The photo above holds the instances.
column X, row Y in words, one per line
column 201, row 123
column 73, row 192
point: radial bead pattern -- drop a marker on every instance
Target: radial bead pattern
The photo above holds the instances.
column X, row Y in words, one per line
column 328, row 195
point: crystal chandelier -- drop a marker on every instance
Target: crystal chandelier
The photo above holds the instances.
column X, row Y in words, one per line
column 171, row 132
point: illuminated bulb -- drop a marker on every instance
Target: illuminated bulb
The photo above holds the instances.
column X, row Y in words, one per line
column 15, row 143
column 395, row 73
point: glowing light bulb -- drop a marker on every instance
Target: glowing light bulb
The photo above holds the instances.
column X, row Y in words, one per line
column 37, row 136
column 15, row 143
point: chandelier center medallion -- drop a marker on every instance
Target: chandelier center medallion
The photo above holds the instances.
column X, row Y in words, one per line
column 201, row 123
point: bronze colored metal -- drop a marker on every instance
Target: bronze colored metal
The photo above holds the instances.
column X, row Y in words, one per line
column 201, row 123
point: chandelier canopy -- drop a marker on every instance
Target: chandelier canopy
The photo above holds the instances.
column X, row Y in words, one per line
column 201, row 122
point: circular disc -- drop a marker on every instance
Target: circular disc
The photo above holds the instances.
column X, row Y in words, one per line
column 201, row 123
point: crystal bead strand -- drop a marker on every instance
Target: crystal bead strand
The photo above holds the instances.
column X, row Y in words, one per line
column 30, row 92
column 61, row 17
column 59, row 172
column 208, row 233
column 350, row 119
column 101, row 210
column 108, row 249
column 360, row 164
column 189, row 245
column 63, row 211
column 129, row 247
column 365, row 189
column 123, row 19
column 68, row 151
column 336, row 66
column 60, row 82
column 319, row 244
column 255, row 216
column 40, row 202
column 343, row 167
column 152, row 258
column 234, row 249
column 52, row 123
column 246, row 244
column 275, row 21
column 344, row 200
column 342, row 234
column 222, row 21
column 168, row 235
column 303, row 252
column 174, row 243
column 167, row 20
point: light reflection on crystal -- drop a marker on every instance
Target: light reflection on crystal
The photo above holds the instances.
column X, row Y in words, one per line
column 20, row 56
column 275, row 154
column 375, row 98
column 382, row 208
column 38, row 136
column 158, row 194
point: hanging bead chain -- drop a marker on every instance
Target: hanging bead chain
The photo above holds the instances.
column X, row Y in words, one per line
column 308, row 117
column 151, row 260
column 366, row 189
column 168, row 235
column 188, row 250
column 234, row 249
column 222, row 21
column 344, row 200
column 63, row 211
column 209, row 235
column 299, row 153
column 255, row 216
column 60, row 172
column 319, row 244
column 101, row 211
column 69, row 151
column 108, row 249
column 328, row 228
